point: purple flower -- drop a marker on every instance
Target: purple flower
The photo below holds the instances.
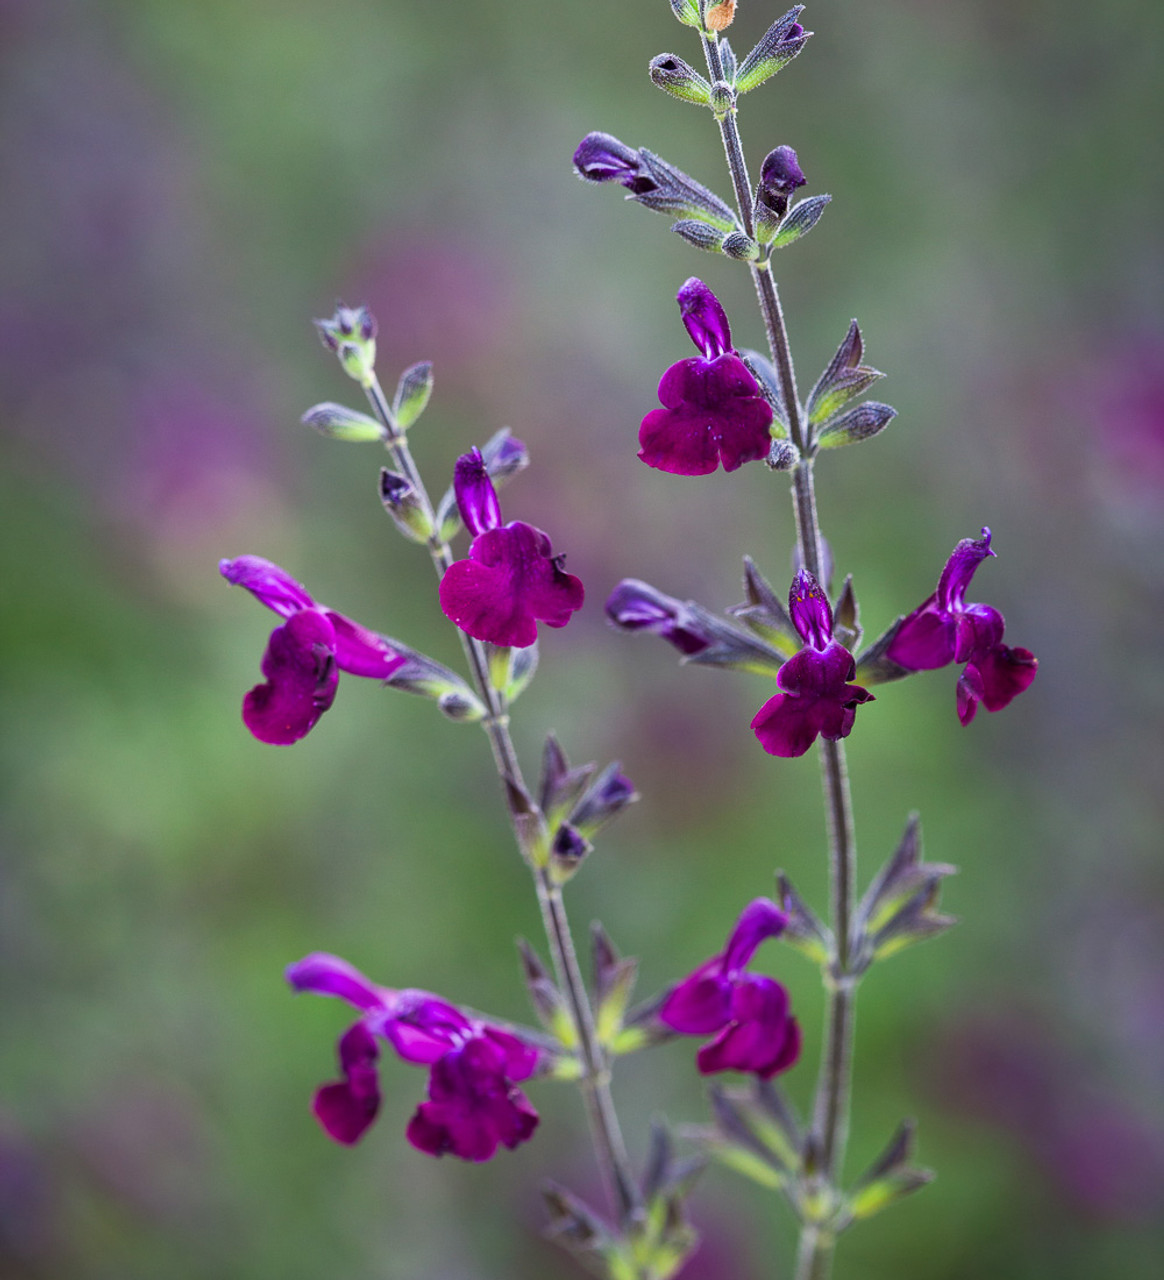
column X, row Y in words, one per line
column 511, row 580
column 817, row 697
column 637, row 606
column 747, row 1013
column 474, row 1104
column 714, row 412
column 304, row 656
column 945, row 629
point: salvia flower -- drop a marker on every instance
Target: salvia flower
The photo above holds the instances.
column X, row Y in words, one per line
column 713, row 410
column 816, row 697
column 473, row 1103
column 304, row 657
column 747, row 1013
column 511, row 580
column 945, row 629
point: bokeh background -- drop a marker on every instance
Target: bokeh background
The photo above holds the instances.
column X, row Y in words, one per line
column 184, row 185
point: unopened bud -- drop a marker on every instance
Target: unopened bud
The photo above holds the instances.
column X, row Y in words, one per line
column 403, row 504
column 723, row 98
column 679, row 79
column 351, row 334
column 337, row 422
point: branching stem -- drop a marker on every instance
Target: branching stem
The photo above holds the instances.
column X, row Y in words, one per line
column 595, row 1082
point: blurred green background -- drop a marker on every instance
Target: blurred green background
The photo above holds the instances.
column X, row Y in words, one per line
column 184, row 185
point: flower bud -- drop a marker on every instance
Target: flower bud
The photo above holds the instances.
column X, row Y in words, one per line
column 741, row 247
column 606, row 797
column 723, row 99
column 351, row 334
column 783, row 40
column 780, row 175
column 699, row 234
column 567, row 852
column 412, row 394
column 403, row 504
column 340, row 423
column 679, row 79
column 504, row 456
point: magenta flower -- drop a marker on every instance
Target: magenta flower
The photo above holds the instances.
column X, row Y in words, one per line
column 474, row 1105
column 817, row 697
column 714, row 411
column 511, row 580
column 304, row 656
column 746, row 1012
column 945, row 629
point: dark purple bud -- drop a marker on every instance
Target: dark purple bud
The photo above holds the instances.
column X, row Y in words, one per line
column 780, row 175
column 637, row 606
column 476, row 497
column 704, row 318
column 570, row 846
column 601, row 157
column 810, row 612
column 504, row 456
column 609, row 794
column 403, row 504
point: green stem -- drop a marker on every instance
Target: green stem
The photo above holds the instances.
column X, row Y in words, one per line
column 595, row 1082
column 831, row 1106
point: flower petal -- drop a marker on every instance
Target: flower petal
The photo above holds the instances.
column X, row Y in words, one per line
column 925, row 640
column 714, row 413
column 362, row 652
column 301, row 680
column 759, row 920
column 960, row 568
column 475, row 494
column 269, row 584
column 1005, row 673
column 701, row 1003
column 756, row 1040
column 346, row 1108
column 328, row 975
column 785, row 725
column 509, row 583
column 810, row 611
column 704, row 318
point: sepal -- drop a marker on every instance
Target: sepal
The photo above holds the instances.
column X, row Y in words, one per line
column 843, row 380
column 862, row 423
column 727, row 60
column 561, row 785
column 756, row 1134
column 846, row 616
column 874, row 666
column 900, row 906
column 741, row 247
column 764, row 612
column 799, row 220
column 699, row 234
column 412, row 394
column 664, row 1239
column 523, row 665
column 422, row 675
column 783, row 40
column 614, row 982
column 805, row 931
column 338, row 422
column 547, row 1001
column 889, row 1179
column 403, row 504
column 768, row 380
column 687, row 11
column 679, row 79
column 675, row 192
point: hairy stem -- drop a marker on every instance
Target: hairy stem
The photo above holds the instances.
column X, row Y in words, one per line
column 523, row 811
column 831, row 1106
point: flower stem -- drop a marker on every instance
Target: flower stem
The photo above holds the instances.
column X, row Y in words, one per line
column 595, row 1081
column 831, row 1106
